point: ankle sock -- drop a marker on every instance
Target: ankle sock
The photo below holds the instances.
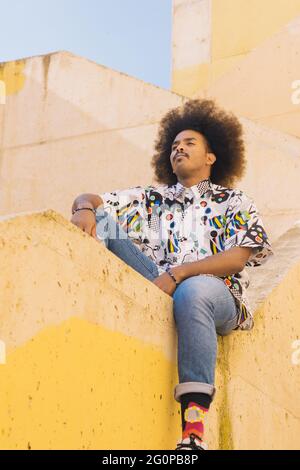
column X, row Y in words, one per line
column 194, row 407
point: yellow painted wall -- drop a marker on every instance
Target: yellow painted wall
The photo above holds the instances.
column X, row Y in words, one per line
column 254, row 62
column 12, row 74
column 90, row 345
column 237, row 28
column 265, row 87
column 91, row 351
column 264, row 370
column 82, row 386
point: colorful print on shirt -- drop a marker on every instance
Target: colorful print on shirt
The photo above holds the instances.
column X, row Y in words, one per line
column 175, row 224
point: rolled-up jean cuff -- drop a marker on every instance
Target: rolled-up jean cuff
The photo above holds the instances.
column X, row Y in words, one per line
column 193, row 387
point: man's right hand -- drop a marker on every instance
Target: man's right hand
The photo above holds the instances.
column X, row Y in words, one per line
column 86, row 220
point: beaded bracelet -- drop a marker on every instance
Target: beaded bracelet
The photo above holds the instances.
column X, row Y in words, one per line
column 168, row 270
column 84, row 209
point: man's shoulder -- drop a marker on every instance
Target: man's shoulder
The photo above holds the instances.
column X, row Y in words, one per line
column 230, row 192
column 230, row 198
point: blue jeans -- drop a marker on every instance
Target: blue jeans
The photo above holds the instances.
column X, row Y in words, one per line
column 202, row 305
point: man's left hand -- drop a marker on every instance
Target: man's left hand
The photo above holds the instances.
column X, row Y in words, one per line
column 166, row 283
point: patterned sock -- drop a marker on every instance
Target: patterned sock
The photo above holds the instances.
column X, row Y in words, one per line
column 194, row 407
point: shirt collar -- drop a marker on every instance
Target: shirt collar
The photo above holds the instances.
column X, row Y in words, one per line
column 197, row 189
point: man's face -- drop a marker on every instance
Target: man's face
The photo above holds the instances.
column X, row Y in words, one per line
column 189, row 155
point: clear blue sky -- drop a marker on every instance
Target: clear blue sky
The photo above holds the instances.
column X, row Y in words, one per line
column 132, row 36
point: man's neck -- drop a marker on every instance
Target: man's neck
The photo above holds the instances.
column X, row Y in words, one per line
column 191, row 181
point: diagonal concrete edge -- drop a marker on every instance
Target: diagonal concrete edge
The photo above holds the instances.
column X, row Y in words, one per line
column 52, row 270
column 265, row 278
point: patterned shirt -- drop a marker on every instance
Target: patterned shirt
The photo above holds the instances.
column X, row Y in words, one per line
column 175, row 224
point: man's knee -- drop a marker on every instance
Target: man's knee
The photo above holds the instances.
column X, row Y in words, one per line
column 199, row 287
column 196, row 291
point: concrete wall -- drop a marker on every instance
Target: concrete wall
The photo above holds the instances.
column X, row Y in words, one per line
column 272, row 176
column 90, row 345
column 244, row 54
column 91, row 351
column 59, row 140
column 265, row 87
column 191, row 45
column 81, row 126
column 210, row 37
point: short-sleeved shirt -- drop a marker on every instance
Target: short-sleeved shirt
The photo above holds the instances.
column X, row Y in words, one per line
column 177, row 224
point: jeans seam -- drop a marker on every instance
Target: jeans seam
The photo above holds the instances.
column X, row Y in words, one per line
column 105, row 215
column 140, row 259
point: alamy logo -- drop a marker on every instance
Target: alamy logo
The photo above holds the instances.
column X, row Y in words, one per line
column 2, row 352
column 296, row 354
column 2, row 92
column 296, row 94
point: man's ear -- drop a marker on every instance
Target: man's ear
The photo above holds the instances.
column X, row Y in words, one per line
column 211, row 158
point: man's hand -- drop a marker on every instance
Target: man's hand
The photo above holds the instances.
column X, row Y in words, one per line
column 165, row 283
column 85, row 220
column 221, row 264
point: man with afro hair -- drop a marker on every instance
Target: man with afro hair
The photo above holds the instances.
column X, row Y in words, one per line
column 192, row 234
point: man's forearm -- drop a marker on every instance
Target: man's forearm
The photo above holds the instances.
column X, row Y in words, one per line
column 88, row 200
column 221, row 264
